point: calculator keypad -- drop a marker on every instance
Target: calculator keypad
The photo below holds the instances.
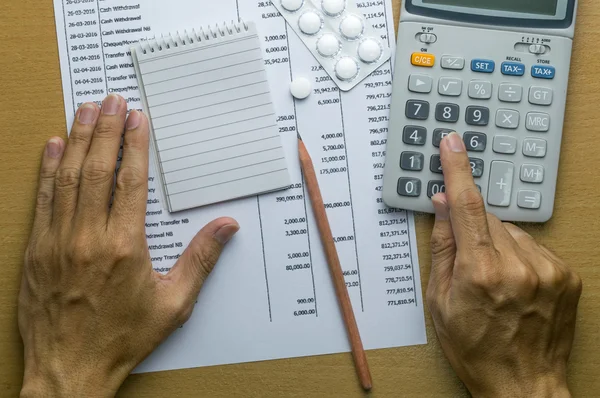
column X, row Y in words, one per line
column 506, row 111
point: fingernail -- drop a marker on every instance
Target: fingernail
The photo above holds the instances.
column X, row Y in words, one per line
column 54, row 148
column 224, row 234
column 134, row 119
column 456, row 143
column 87, row 114
column 441, row 209
column 111, row 104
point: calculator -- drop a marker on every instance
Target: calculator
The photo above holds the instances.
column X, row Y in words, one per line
column 496, row 72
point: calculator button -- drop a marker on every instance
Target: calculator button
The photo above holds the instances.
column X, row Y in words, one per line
column 435, row 164
column 510, row 92
column 507, row 119
column 477, row 166
column 479, row 89
column 534, row 148
column 420, row 83
column 529, row 200
column 477, row 116
column 456, row 63
column 414, row 135
column 537, row 121
column 505, row 144
column 409, row 187
column 532, row 173
column 475, row 142
column 423, row 59
column 513, row 69
column 543, row 71
column 500, row 184
column 438, row 135
column 417, row 109
column 540, row 95
column 412, row 161
column 446, row 112
column 435, row 187
column 450, row 86
column 483, row 65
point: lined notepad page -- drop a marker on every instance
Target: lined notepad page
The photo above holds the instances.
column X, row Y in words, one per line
column 214, row 127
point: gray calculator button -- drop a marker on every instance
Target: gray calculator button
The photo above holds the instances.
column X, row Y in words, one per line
column 540, row 95
column 477, row 116
column 510, row 92
column 418, row 110
column 500, row 184
column 412, row 161
column 450, row 62
column 420, row 83
column 537, row 121
column 507, row 119
column 535, row 148
column 409, row 187
column 450, row 86
column 414, row 135
column 505, row 144
column 435, row 187
column 532, row 173
column 479, row 89
column 477, row 166
column 446, row 112
column 436, row 164
column 475, row 142
column 529, row 200
column 438, row 135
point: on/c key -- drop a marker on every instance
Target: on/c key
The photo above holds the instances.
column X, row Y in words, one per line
column 423, row 59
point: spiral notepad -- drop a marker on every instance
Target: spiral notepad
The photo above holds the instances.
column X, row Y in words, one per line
column 214, row 131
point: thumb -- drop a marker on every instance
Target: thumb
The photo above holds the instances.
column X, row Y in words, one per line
column 443, row 246
column 201, row 256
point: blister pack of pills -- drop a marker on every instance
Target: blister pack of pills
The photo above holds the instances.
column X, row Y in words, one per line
column 338, row 36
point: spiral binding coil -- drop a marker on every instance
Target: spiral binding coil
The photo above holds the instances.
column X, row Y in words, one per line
column 177, row 39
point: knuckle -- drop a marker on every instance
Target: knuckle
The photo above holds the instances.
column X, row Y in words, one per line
column 205, row 261
column 525, row 279
column 80, row 251
column 79, row 138
column 123, row 250
column 470, row 200
column 486, row 278
column 97, row 171
column 441, row 244
column 107, row 130
column 130, row 178
column 68, row 178
column 44, row 198
column 575, row 282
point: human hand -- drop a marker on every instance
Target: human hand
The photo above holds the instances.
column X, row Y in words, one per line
column 91, row 307
column 504, row 307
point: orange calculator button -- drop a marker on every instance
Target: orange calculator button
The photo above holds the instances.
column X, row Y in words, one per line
column 423, row 59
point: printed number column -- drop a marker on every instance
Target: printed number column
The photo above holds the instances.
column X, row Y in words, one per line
column 84, row 43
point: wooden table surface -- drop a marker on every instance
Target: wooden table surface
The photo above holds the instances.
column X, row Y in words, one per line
column 31, row 110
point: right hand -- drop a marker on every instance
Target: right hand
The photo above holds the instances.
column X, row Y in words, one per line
column 504, row 307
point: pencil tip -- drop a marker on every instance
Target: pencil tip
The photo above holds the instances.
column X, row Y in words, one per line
column 299, row 137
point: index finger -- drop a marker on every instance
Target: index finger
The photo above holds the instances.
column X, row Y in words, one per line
column 131, row 191
column 467, row 210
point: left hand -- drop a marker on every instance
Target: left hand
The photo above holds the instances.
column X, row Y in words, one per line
column 91, row 307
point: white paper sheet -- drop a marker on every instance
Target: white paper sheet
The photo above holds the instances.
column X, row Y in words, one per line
column 271, row 295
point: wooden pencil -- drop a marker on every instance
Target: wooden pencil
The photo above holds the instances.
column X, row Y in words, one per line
column 358, row 352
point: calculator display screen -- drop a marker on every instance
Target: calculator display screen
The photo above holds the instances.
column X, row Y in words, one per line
column 542, row 7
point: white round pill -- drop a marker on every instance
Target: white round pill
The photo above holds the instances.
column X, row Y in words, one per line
column 310, row 23
column 346, row 68
column 352, row 27
column 369, row 50
column 292, row 5
column 333, row 7
column 300, row 88
column 328, row 45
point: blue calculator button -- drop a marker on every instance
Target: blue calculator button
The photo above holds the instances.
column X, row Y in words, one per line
column 483, row 66
column 513, row 69
column 543, row 71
